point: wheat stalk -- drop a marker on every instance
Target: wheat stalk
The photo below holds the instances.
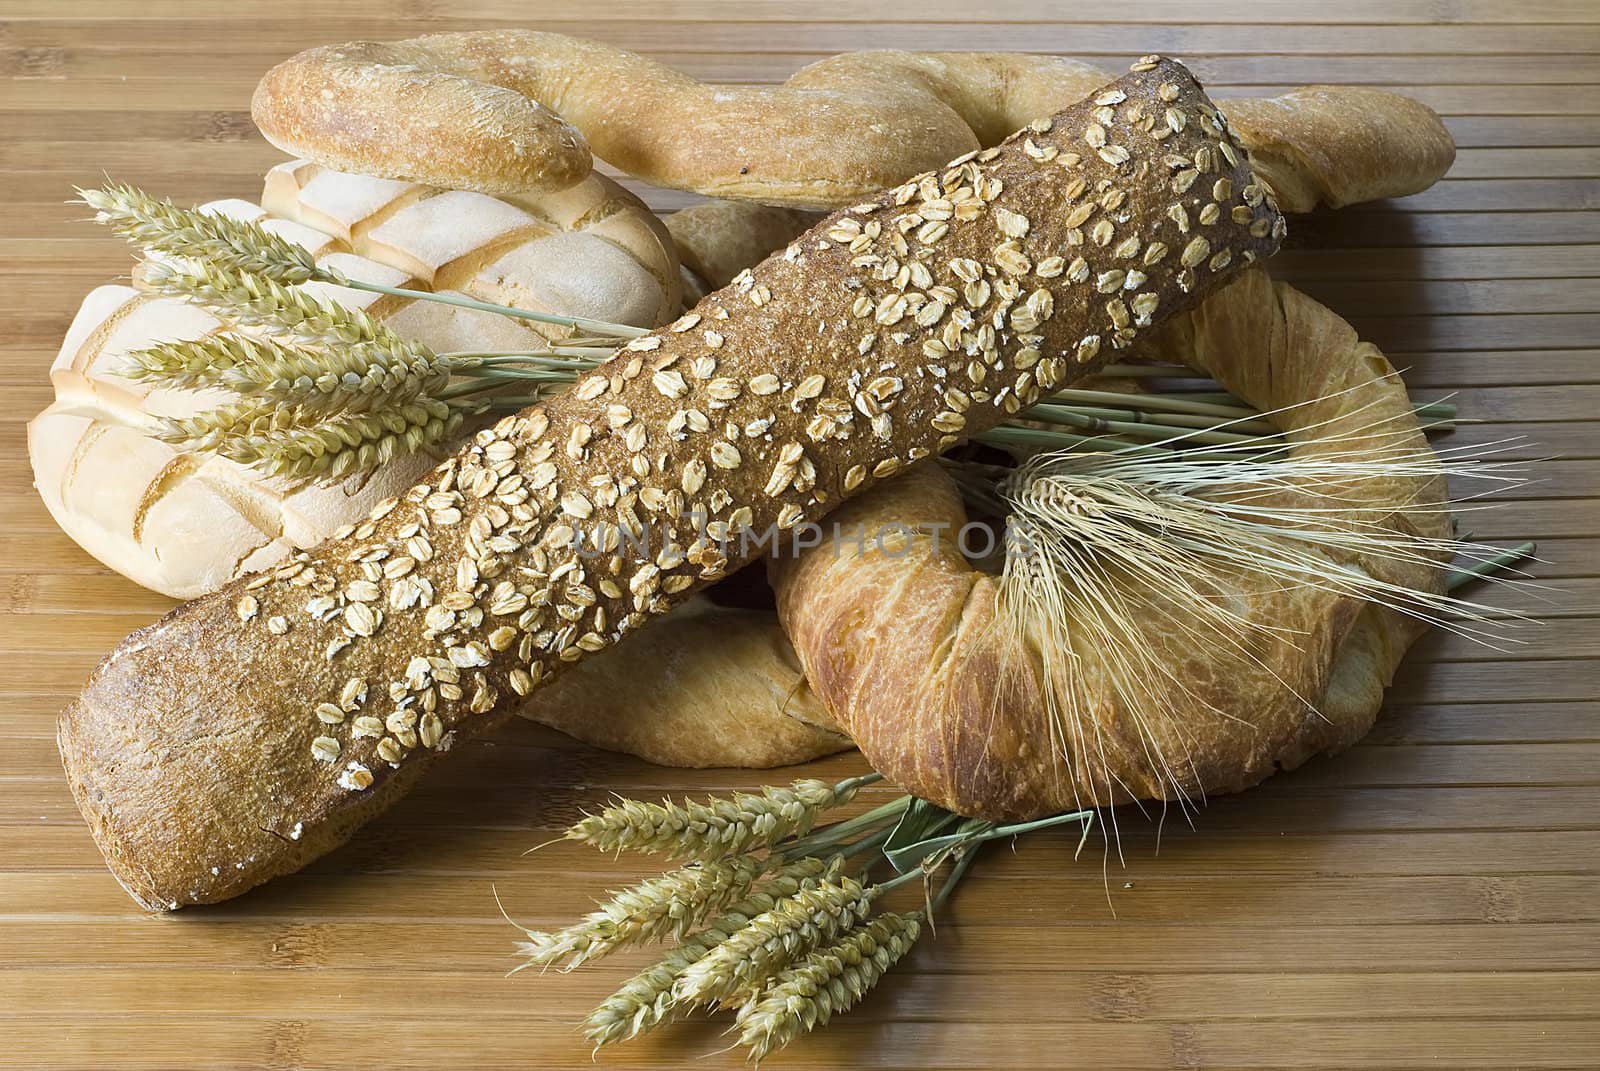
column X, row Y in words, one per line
column 158, row 225
column 1103, row 544
column 299, row 444
column 363, row 376
column 208, row 431
column 670, row 905
column 718, row 828
column 826, row 982
column 255, row 300
column 1287, row 518
column 646, row 1000
column 775, row 938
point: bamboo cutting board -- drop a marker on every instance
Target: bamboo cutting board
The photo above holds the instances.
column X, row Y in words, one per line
column 1430, row 898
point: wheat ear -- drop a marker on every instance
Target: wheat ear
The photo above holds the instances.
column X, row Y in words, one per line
column 363, row 376
column 667, row 906
column 298, row 444
column 716, row 828
column 826, row 982
column 255, row 300
column 774, row 939
column 158, row 225
column 1106, row 542
column 646, row 1000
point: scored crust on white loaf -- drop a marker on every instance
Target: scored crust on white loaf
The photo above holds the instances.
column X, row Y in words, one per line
column 184, row 524
column 590, row 250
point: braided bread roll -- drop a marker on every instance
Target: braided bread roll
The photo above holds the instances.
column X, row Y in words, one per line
column 254, row 729
column 509, row 110
column 908, row 650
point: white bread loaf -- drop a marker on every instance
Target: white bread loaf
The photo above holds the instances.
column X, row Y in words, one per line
column 183, row 524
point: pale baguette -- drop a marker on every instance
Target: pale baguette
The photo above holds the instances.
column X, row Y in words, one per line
column 836, row 131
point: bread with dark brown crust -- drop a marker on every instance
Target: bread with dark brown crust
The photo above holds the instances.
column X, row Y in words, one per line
column 254, row 729
column 910, row 650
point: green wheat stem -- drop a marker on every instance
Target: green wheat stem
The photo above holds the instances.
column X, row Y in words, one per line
column 1497, row 563
column 555, row 356
column 1170, row 420
column 1075, row 417
column 957, row 872
column 1151, row 371
column 548, row 375
column 838, row 831
column 870, row 842
column 1167, row 402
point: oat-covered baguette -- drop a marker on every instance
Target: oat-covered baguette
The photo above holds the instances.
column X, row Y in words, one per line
column 185, row 524
column 253, row 730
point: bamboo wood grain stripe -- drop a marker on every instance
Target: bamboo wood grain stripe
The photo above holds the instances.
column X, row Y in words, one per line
column 157, row 96
column 1114, row 39
column 1563, row 763
column 225, row 57
column 1308, row 808
column 1161, row 11
column 1227, row 944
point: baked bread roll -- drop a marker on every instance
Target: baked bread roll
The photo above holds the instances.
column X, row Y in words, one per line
column 713, row 685
column 911, row 650
column 254, row 729
column 719, row 239
column 184, row 524
column 835, row 132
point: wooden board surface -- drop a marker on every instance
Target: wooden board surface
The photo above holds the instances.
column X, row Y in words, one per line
column 1431, row 898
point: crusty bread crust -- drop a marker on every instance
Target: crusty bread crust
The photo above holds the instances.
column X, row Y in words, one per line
column 709, row 686
column 911, row 652
column 479, row 110
column 719, row 239
column 253, row 729
column 501, row 110
column 461, row 130
column 1341, row 145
